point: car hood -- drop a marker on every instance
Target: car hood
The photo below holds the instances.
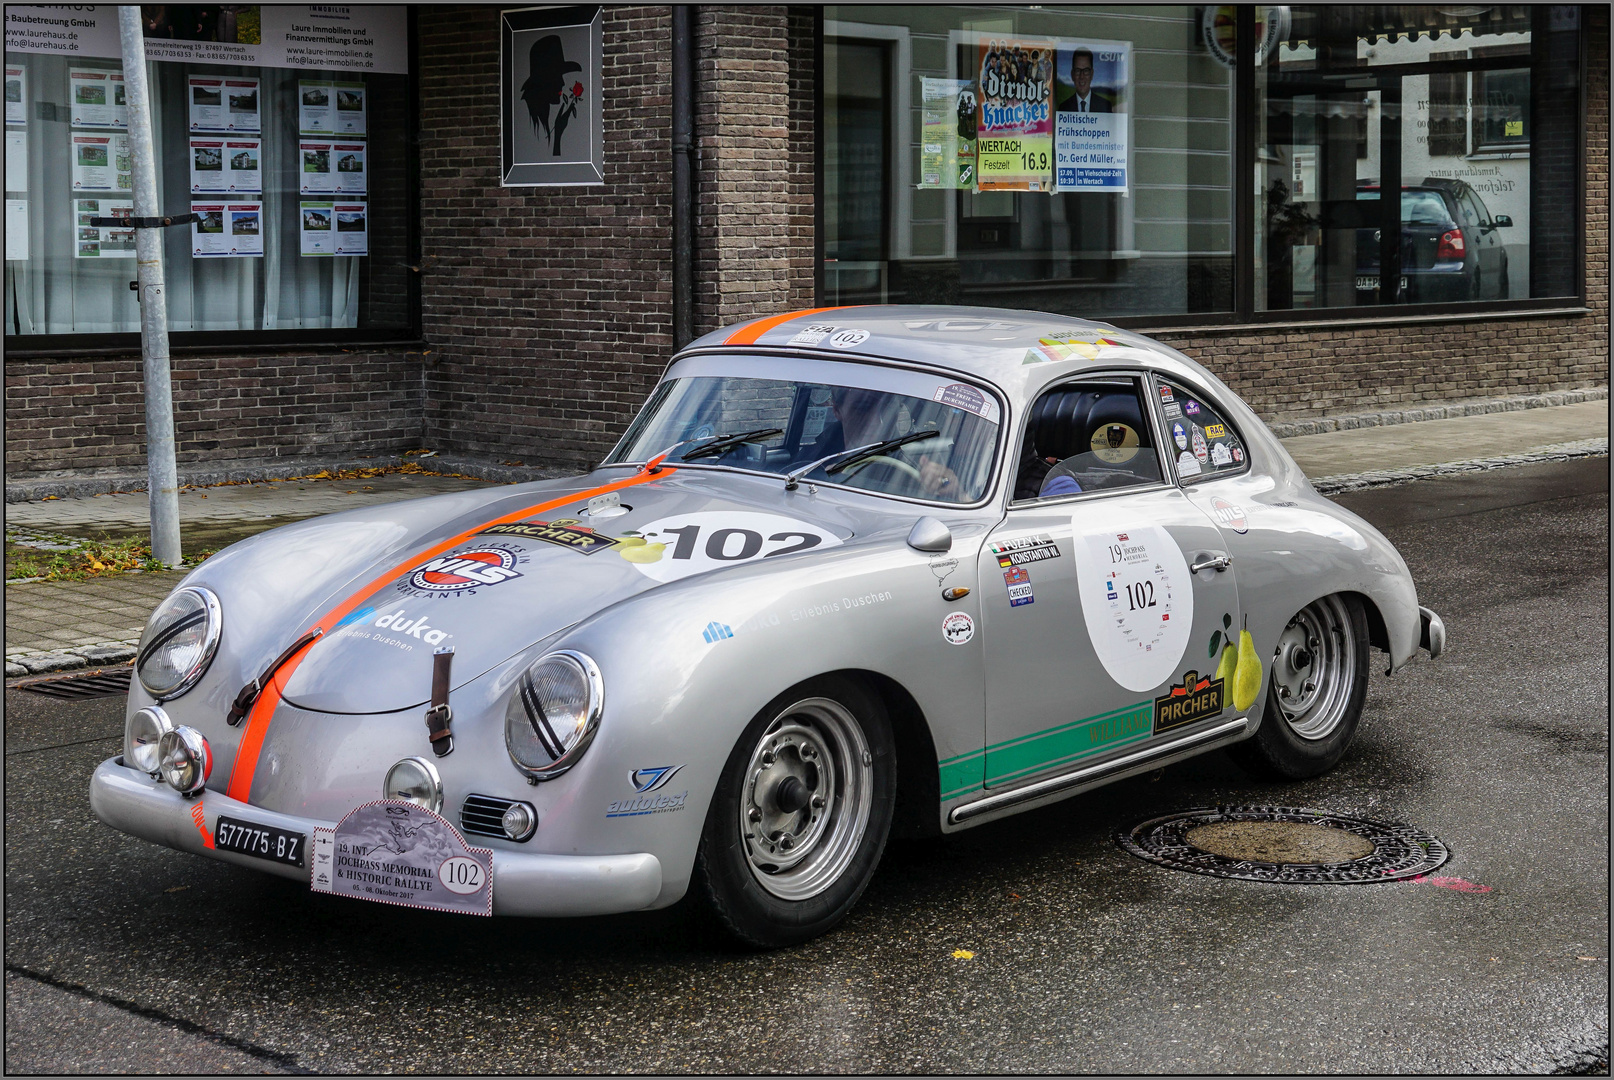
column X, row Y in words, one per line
column 490, row 573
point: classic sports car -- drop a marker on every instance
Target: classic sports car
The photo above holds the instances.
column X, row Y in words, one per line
column 850, row 573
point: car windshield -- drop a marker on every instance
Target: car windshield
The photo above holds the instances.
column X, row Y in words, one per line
column 799, row 423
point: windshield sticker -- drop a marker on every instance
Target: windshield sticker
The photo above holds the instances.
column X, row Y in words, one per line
column 1173, row 411
column 958, row 628
column 811, row 335
column 1195, row 699
column 1018, row 584
column 1201, row 454
column 1238, row 455
column 1137, row 600
column 1186, row 465
column 1221, row 455
column 1191, row 408
column 848, row 339
column 1231, row 515
column 562, row 532
column 1115, row 443
column 1179, row 436
column 1024, row 550
column 1215, row 431
column 463, row 571
column 679, row 546
column 962, row 396
column 1165, row 394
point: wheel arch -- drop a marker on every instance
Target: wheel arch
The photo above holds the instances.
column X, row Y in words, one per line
column 918, row 808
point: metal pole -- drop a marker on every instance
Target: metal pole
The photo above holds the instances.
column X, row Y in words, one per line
column 162, row 485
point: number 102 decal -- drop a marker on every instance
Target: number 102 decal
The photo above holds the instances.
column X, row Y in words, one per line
column 680, row 545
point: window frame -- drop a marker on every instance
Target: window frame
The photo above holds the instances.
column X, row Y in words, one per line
column 1140, row 382
column 258, row 342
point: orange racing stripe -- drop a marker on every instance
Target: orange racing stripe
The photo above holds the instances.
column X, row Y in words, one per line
column 748, row 334
column 257, row 725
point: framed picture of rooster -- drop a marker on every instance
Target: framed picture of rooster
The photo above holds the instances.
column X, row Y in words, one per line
column 549, row 97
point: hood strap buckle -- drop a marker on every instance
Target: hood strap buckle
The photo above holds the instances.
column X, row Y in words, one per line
column 249, row 693
column 441, row 715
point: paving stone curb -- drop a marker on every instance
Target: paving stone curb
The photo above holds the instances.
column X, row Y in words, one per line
column 1329, row 485
column 1288, row 429
column 45, row 663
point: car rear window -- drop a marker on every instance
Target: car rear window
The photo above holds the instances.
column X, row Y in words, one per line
column 1424, row 208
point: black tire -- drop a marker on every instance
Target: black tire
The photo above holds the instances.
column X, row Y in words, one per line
column 1299, row 743
column 727, row 866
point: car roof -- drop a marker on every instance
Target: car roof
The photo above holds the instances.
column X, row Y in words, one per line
column 1016, row 350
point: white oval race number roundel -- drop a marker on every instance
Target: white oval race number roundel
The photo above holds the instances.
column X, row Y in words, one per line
column 1137, row 599
column 684, row 544
column 461, row 874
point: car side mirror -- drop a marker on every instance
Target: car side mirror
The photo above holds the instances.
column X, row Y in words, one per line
column 1502, row 221
column 928, row 534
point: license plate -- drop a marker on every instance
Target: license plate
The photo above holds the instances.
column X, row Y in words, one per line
column 1367, row 284
column 259, row 841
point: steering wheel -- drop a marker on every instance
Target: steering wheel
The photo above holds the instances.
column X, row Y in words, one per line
column 881, row 459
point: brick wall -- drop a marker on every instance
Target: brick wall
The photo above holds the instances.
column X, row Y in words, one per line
column 90, row 413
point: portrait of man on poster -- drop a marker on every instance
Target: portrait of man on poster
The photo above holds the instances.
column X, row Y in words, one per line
column 1082, row 95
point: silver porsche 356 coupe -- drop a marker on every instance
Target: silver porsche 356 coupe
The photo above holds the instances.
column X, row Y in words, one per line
column 850, row 573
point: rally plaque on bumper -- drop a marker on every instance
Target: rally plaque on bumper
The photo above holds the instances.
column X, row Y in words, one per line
column 399, row 853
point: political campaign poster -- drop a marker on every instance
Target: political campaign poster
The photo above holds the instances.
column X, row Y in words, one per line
column 947, row 150
column 1014, row 147
column 96, row 98
column 101, row 162
column 551, row 127
column 223, row 104
column 228, row 230
column 16, row 95
column 101, row 242
column 1091, row 121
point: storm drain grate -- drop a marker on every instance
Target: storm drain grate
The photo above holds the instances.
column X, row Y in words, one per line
column 75, row 687
column 1284, row 844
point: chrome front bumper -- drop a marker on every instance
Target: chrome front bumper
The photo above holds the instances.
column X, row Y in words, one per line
column 523, row 884
column 1432, row 637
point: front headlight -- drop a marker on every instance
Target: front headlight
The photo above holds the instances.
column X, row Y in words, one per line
column 179, row 642
column 141, row 734
column 414, row 780
column 553, row 714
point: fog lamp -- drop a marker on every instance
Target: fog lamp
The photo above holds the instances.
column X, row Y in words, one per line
column 519, row 821
column 415, row 780
column 184, row 759
column 141, row 735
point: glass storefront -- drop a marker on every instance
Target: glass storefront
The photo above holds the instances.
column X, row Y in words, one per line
column 1085, row 160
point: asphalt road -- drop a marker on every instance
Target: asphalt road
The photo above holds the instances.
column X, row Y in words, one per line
column 124, row 956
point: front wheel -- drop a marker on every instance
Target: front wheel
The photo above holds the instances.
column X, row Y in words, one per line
column 1314, row 701
column 800, row 815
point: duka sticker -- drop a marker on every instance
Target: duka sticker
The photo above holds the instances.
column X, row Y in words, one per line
column 398, row 853
column 1137, row 599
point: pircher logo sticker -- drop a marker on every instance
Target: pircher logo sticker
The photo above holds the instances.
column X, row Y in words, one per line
column 564, row 532
column 464, row 571
column 1023, row 550
column 1195, row 699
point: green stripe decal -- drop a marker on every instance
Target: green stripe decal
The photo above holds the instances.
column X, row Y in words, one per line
column 1024, row 755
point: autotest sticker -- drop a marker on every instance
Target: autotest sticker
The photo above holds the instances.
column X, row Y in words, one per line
column 675, row 547
column 1137, row 599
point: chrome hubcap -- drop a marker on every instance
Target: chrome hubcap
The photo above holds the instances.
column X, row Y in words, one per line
column 1313, row 668
column 808, row 792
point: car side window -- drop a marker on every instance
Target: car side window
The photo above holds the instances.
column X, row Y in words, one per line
column 1204, row 444
column 1475, row 209
column 1091, row 435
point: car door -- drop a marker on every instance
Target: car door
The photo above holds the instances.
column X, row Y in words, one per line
column 1091, row 612
column 1488, row 243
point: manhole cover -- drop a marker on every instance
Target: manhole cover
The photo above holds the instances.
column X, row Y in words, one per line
column 1284, row 843
column 77, row 686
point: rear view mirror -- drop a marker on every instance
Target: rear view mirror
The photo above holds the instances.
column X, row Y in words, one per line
column 1502, row 221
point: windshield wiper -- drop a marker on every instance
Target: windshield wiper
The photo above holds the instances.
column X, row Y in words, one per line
column 854, row 455
column 723, row 443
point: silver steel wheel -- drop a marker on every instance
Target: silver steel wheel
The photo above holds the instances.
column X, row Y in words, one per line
column 1313, row 668
column 806, row 797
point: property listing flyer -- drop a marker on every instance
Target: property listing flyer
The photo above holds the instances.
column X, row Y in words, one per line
column 1091, row 133
column 227, row 230
column 316, row 112
column 97, row 242
column 332, row 168
column 16, row 228
column 347, row 168
column 350, row 108
column 224, row 104
column 101, row 163
column 16, row 160
column 96, row 97
column 318, row 228
column 947, row 150
column 352, row 232
column 16, row 96
column 226, row 166
column 1014, row 133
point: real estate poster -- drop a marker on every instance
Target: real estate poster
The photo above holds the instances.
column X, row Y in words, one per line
column 95, row 97
column 947, row 149
column 227, row 230
column 347, row 168
column 16, row 160
column 97, row 241
column 101, row 162
column 318, row 227
column 350, row 108
column 316, row 109
column 316, row 177
column 16, row 95
column 224, row 104
column 1014, row 148
column 16, row 228
column 225, row 166
column 1091, row 132
column 352, row 229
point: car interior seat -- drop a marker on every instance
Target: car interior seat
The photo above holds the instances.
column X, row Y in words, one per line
column 1064, row 421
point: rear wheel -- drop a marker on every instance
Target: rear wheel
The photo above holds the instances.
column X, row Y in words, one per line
column 1314, row 700
column 800, row 815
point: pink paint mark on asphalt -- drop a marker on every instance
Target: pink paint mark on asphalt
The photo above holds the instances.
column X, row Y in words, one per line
column 1456, row 883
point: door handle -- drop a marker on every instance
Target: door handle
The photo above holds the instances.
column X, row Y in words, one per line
column 1217, row 562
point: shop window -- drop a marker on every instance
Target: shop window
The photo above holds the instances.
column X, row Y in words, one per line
column 300, row 178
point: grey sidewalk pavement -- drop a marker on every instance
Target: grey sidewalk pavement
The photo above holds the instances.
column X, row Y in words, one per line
column 59, row 626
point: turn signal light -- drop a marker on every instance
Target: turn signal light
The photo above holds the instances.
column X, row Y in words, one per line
column 1452, row 245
